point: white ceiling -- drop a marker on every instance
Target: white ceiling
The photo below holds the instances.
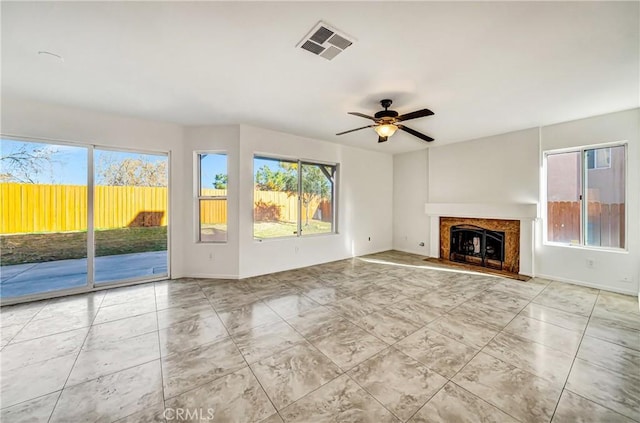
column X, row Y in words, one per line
column 484, row 68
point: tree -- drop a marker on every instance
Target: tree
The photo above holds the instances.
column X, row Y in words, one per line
column 25, row 164
column 220, row 181
column 140, row 172
column 315, row 186
column 315, row 183
column 268, row 180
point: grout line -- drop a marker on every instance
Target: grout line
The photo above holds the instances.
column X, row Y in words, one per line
column 155, row 300
column 45, row 303
column 575, row 357
column 485, row 345
column 76, row 359
column 342, row 372
column 603, row 406
column 242, row 355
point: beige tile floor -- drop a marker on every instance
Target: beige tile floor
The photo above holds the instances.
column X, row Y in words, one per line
column 383, row 338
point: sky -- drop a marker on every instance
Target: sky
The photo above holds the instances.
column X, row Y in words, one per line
column 210, row 166
column 68, row 164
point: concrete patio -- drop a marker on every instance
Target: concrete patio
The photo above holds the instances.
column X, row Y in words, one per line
column 32, row 278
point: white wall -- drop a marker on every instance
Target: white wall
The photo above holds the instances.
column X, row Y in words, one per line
column 30, row 119
column 410, row 193
column 498, row 169
column 211, row 260
column 364, row 206
column 616, row 271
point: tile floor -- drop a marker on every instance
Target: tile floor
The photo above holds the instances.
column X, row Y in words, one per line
column 383, row 338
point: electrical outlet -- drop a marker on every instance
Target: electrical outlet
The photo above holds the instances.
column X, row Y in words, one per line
column 590, row 263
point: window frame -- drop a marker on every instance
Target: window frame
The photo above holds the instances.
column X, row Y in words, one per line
column 334, row 195
column 596, row 156
column 198, row 197
column 584, row 168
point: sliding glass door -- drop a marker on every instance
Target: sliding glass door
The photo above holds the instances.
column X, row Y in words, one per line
column 74, row 217
column 43, row 230
column 130, row 215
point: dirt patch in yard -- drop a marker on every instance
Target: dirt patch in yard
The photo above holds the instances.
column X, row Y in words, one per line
column 38, row 248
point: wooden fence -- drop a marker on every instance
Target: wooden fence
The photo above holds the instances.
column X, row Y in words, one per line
column 60, row 208
column 605, row 223
column 26, row 208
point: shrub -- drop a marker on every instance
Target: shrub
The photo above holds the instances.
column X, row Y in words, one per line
column 266, row 212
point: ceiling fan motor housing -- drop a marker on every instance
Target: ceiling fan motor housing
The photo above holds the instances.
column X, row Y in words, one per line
column 386, row 103
column 386, row 114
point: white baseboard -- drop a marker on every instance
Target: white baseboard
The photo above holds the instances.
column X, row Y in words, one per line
column 588, row 284
column 208, row 276
column 416, row 252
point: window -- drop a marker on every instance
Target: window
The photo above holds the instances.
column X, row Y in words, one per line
column 586, row 197
column 212, row 197
column 293, row 198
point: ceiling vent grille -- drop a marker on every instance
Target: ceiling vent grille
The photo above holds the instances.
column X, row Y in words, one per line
column 325, row 41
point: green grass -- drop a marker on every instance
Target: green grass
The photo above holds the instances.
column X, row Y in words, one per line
column 42, row 247
column 265, row 230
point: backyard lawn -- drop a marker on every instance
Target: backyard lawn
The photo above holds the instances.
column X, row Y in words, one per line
column 42, row 247
column 262, row 230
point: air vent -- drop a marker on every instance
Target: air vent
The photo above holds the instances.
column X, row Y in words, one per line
column 331, row 52
column 325, row 41
column 312, row 47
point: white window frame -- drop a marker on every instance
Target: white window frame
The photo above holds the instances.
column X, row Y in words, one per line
column 601, row 159
column 582, row 187
column 199, row 198
column 334, row 195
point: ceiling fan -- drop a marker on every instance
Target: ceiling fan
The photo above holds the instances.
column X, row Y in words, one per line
column 387, row 122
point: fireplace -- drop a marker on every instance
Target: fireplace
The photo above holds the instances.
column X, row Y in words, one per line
column 491, row 243
column 476, row 245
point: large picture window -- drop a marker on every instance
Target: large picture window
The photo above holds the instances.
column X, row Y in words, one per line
column 212, row 197
column 293, row 198
column 586, row 197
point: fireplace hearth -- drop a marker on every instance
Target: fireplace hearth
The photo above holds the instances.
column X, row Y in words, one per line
column 475, row 245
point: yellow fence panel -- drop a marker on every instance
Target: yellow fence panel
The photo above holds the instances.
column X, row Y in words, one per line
column 27, row 208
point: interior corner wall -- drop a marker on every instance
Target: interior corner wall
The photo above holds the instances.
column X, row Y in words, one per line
column 211, row 260
column 364, row 216
column 612, row 270
column 410, row 193
column 35, row 120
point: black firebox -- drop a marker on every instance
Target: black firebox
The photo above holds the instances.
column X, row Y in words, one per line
column 475, row 245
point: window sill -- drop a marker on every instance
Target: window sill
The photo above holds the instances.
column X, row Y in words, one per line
column 587, row 248
column 283, row 238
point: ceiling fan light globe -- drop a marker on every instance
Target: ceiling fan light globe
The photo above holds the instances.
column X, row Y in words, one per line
column 386, row 130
